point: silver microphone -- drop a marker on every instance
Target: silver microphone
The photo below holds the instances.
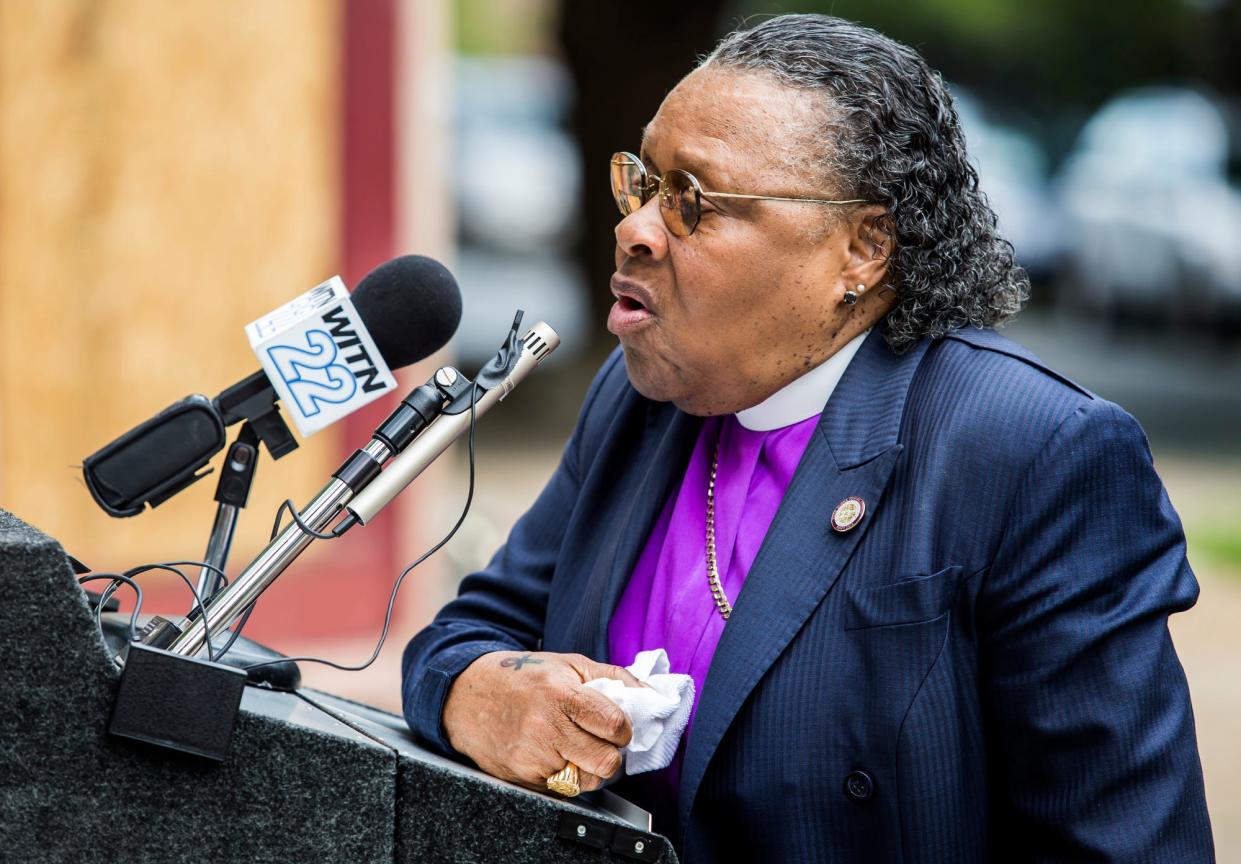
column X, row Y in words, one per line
column 539, row 341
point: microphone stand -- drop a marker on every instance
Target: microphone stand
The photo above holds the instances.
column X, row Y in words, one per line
column 252, row 401
column 422, row 410
column 231, row 494
column 188, row 635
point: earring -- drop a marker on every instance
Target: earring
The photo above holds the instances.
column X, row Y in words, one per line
column 851, row 296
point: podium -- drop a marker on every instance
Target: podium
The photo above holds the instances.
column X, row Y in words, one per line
column 309, row 777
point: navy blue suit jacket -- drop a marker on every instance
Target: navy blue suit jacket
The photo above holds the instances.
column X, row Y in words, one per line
column 981, row 670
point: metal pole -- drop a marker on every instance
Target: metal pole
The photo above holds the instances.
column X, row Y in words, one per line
column 218, row 546
column 271, row 562
column 229, row 603
column 540, row 341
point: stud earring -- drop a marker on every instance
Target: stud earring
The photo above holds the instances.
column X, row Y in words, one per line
column 851, row 296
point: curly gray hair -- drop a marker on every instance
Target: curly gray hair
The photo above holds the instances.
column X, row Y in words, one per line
column 894, row 138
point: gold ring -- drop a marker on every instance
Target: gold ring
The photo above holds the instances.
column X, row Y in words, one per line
column 565, row 781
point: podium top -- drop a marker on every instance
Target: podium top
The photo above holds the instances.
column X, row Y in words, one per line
column 309, row 776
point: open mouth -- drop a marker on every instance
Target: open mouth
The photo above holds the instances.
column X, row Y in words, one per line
column 629, row 313
column 630, row 304
column 632, row 312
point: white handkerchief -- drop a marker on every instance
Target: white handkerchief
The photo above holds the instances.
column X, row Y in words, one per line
column 658, row 712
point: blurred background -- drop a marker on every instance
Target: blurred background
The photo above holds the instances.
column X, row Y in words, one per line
column 170, row 172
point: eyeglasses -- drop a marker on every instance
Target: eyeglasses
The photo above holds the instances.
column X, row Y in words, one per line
column 680, row 194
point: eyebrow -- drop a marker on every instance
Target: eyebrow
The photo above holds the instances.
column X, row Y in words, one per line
column 701, row 170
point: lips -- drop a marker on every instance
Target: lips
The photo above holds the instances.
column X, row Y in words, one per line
column 632, row 310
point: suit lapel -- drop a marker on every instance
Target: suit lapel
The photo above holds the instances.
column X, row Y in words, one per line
column 669, row 453
column 852, row 453
column 639, row 485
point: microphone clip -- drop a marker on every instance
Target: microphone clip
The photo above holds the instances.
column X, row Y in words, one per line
column 254, row 400
column 494, row 372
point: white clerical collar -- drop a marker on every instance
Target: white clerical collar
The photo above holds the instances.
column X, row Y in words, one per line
column 804, row 397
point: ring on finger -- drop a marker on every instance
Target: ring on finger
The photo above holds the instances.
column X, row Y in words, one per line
column 566, row 781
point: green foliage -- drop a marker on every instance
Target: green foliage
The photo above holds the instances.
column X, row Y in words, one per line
column 1051, row 53
column 498, row 27
column 1220, row 542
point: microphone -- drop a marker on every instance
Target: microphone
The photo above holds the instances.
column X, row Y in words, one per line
column 540, row 341
column 187, row 637
column 406, row 309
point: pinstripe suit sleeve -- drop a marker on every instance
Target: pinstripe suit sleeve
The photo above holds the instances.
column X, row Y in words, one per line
column 1091, row 732
column 503, row 606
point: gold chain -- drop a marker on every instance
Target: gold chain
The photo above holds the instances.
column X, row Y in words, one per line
column 713, row 574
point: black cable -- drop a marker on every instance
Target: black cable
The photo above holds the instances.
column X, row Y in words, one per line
column 232, row 636
column 103, row 599
column 305, row 529
column 107, row 592
column 198, row 600
column 275, row 529
column 117, row 577
column 143, row 568
column 469, row 498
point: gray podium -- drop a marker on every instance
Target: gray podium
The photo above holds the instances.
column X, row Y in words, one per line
column 309, row 777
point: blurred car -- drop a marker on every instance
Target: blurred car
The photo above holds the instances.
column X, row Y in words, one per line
column 1153, row 221
column 518, row 197
column 1013, row 172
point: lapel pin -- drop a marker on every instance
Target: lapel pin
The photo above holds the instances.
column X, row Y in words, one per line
column 848, row 513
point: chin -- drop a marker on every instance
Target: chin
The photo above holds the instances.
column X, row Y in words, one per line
column 659, row 384
column 664, row 382
column 649, row 379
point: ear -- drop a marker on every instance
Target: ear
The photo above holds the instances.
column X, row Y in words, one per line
column 870, row 245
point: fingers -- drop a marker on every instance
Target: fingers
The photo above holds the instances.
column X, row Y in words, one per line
column 530, row 769
column 591, row 669
column 596, row 760
column 591, row 755
column 590, row 782
column 598, row 715
column 586, row 781
column 522, row 716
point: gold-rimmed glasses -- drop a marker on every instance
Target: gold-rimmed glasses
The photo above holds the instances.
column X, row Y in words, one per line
column 680, row 194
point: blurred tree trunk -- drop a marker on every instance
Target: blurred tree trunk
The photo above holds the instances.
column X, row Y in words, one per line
column 624, row 57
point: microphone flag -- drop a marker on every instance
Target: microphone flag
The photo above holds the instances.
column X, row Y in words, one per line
column 319, row 357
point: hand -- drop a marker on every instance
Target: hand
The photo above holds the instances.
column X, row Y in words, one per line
column 521, row 716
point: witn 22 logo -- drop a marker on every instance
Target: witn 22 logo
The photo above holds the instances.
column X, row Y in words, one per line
column 319, row 357
column 330, row 369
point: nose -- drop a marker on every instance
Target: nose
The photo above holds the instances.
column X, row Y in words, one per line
column 642, row 234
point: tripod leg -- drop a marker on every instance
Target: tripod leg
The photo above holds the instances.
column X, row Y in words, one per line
column 231, row 494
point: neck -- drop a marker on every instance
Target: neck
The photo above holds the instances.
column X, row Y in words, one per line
column 805, row 396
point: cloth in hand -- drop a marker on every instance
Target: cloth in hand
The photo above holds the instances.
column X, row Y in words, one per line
column 658, row 712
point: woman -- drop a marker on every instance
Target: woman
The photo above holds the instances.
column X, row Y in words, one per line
column 920, row 580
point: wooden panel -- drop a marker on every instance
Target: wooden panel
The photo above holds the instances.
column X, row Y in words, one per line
column 168, row 171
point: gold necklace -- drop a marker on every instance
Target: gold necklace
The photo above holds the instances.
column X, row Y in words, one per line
column 713, row 574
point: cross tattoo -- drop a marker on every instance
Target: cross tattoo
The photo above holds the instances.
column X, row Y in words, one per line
column 518, row 662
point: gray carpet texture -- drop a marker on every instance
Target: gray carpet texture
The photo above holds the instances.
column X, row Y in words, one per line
column 308, row 777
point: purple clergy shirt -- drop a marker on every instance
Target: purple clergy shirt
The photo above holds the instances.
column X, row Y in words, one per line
column 668, row 602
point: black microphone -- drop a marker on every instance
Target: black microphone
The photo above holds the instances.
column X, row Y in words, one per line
column 410, row 306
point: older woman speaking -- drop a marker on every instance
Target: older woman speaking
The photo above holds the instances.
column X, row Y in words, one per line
column 920, row 580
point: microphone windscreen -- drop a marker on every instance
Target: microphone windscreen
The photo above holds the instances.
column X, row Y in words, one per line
column 156, row 459
column 411, row 307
